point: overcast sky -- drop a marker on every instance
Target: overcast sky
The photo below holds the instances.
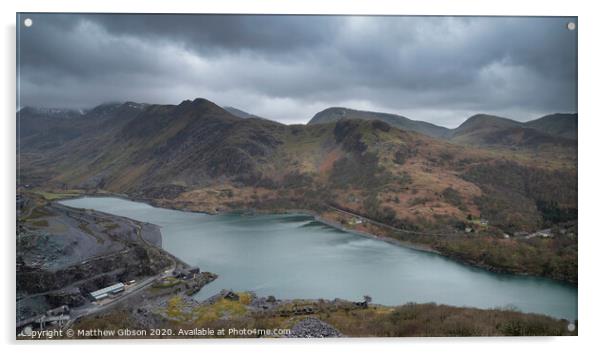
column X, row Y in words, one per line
column 287, row 68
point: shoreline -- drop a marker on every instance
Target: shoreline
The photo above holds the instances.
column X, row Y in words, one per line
column 404, row 244
column 310, row 213
column 317, row 217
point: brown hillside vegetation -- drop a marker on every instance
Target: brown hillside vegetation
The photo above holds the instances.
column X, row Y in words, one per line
column 198, row 156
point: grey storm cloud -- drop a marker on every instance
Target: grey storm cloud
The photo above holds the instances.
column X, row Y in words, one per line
column 287, row 68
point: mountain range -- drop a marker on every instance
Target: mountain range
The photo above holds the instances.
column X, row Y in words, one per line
column 180, row 150
column 480, row 129
column 405, row 174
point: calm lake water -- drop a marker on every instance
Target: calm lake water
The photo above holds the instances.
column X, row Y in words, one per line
column 294, row 256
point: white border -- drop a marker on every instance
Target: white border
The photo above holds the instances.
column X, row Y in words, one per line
column 589, row 185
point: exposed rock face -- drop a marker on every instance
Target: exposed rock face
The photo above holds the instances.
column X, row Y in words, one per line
column 64, row 253
column 199, row 281
column 224, row 293
column 72, row 297
column 313, row 328
column 96, row 273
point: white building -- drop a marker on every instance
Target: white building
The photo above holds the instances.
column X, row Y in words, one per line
column 104, row 292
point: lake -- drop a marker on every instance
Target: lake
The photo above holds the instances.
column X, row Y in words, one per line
column 294, row 256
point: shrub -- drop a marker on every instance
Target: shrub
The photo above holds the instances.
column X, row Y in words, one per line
column 453, row 197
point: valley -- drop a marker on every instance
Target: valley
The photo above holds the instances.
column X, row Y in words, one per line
column 474, row 202
column 493, row 193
